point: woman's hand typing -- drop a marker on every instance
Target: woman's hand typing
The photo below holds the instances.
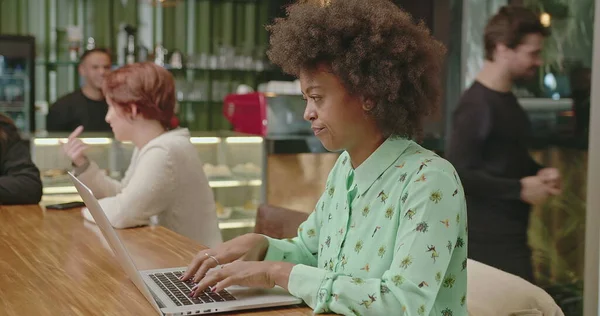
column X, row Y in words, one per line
column 249, row 247
column 245, row 273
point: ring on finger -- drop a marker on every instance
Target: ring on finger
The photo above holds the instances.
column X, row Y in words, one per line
column 213, row 257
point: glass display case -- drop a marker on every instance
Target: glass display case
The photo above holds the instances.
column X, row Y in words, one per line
column 232, row 163
column 17, row 78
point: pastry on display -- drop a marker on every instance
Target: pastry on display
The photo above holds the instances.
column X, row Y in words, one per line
column 220, row 208
column 53, row 176
column 223, row 212
column 250, row 205
column 219, row 171
column 248, row 170
column 54, row 173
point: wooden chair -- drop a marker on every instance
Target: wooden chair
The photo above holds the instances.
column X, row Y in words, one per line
column 278, row 222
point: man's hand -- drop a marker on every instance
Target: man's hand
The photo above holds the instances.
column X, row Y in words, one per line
column 551, row 177
column 533, row 190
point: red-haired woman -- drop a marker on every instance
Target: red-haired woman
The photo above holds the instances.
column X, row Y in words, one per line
column 20, row 181
column 165, row 179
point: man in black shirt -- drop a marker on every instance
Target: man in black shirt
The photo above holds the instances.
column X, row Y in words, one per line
column 87, row 105
column 489, row 148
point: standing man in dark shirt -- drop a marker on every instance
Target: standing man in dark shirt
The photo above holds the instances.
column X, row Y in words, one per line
column 87, row 105
column 489, row 148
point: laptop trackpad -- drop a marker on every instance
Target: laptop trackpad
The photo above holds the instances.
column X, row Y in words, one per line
column 240, row 292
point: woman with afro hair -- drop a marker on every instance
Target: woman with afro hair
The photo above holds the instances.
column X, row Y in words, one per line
column 388, row 236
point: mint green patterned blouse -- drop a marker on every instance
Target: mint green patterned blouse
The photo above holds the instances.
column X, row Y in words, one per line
column 386, row 238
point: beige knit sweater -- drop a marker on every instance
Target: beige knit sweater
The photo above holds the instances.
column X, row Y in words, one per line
column 164, row 183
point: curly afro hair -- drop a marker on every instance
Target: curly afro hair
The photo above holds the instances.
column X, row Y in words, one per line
column 377, row 51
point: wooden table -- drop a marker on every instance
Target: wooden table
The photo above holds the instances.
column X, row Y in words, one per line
column 56, row 263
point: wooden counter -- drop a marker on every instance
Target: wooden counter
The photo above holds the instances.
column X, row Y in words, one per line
column 56, row 263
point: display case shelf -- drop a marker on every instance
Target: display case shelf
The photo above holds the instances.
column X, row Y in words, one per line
column 239, row 218
column 66, row 188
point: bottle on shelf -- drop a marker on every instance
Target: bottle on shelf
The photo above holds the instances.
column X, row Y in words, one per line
column 159, row 55
column 130, row 49
column 74, row 36
column 176, row 60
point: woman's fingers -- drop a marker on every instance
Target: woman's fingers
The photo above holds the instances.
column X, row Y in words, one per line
column 226, row 282
column 208, row 264
column 194, row 265
column 211, row 278
column 75, row 133
column 77, row 151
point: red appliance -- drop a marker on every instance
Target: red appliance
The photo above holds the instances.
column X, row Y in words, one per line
column 266, row 114
column 247, row 113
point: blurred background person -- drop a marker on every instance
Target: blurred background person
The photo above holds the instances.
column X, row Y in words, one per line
column 86, row 106
column 20, row 181
column 489, row 145
column 165, row 183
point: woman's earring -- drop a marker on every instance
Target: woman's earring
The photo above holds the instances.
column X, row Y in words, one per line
column 367, row 106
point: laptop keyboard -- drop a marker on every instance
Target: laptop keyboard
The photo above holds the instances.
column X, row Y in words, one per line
column 179, row 291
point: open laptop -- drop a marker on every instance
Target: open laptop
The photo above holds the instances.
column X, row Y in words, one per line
column 165, row 292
